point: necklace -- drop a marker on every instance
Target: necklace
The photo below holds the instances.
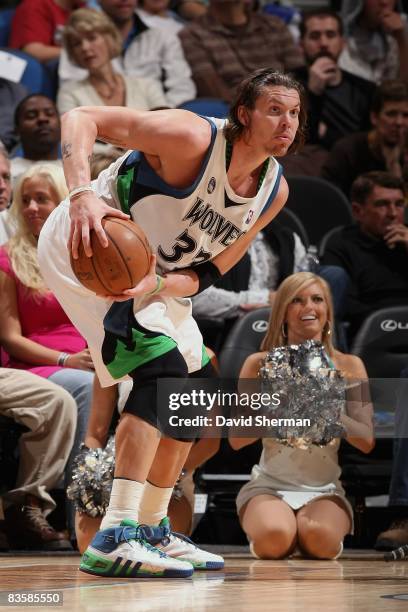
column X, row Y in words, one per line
column 264, row 169
column 112, row 89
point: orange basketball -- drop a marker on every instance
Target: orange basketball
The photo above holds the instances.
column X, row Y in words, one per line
column 119, row 266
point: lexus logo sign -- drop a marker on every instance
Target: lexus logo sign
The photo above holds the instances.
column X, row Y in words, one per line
column 260, row 326
column 389, row 325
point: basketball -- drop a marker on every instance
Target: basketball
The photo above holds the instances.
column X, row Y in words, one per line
column 119, row 266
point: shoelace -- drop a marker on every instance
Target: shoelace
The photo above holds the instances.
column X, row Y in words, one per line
column 162, row 535
column 140, row 533
column 36, row 516
column 182, row 536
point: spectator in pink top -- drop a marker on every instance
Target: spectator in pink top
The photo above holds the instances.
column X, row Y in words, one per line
column 36, row 334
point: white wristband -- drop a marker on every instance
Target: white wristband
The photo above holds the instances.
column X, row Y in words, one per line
column 79, row 190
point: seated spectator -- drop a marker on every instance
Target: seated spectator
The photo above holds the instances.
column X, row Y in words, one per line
column 274, row 254
column 385, row 147
column 49, row 414
column 338, row 101
column 397, row 533
column 377, row 40
column 374, row 251
column 38, row 126
column 294, row 497
column 36, row 334
column 92, row 41
column 146, row 52
column 156, row 14
column 37, row 27
column 218, row 57
column 11, row 95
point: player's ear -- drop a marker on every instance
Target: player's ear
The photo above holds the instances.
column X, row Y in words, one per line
column 243, row 115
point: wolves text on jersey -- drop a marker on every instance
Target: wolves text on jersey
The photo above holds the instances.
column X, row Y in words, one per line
column 209, row 221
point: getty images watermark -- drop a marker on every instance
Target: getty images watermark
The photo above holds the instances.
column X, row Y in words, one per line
column 211, row 402
column 219, row 408
column 191, row 408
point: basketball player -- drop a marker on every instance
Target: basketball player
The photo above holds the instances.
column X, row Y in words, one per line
column 200, row 189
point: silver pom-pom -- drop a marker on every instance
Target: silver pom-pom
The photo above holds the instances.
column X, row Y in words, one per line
column 92, row 477
column 308, row 388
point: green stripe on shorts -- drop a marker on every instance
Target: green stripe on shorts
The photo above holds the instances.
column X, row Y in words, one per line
column 123, row 186
column 145, row 349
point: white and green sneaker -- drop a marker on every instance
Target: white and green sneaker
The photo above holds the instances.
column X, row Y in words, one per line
column 125, row 552
column 179, row 546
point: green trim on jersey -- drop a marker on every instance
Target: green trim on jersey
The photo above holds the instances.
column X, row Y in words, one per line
column 123, row 186
column 146, row 349
column 204, row 356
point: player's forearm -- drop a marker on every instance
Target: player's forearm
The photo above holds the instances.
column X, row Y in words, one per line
column 78, row 135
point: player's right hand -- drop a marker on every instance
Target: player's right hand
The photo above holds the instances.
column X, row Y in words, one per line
column 86, row 212
column 80, row 361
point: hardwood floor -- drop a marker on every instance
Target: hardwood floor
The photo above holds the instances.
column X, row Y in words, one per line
column 363, row 584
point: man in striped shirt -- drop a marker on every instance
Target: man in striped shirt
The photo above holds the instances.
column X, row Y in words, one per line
column 229, row 42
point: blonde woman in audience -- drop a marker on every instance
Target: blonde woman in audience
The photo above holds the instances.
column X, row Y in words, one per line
column 36, row 334
column 92, row 41
column 294, row 497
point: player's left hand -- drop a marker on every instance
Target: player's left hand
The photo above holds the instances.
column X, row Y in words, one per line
column 396, row 234
column 147, row 285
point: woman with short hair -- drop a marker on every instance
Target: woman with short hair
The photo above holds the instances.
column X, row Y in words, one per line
column 92, row 41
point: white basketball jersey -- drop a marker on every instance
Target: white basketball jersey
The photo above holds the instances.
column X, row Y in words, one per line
column 186, row 227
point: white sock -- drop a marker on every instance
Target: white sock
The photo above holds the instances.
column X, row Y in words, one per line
column 154, row 504
column 124, row 502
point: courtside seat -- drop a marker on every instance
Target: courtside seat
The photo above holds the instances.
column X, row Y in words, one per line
column 244, row 338
column 319, row 205
column 36, row 77
column 382, row 342
column 290, row 220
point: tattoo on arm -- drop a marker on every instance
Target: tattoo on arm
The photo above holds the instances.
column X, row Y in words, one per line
column 66, row 149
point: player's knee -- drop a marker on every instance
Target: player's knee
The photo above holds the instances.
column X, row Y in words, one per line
column 317, row 539
column 274, row 543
